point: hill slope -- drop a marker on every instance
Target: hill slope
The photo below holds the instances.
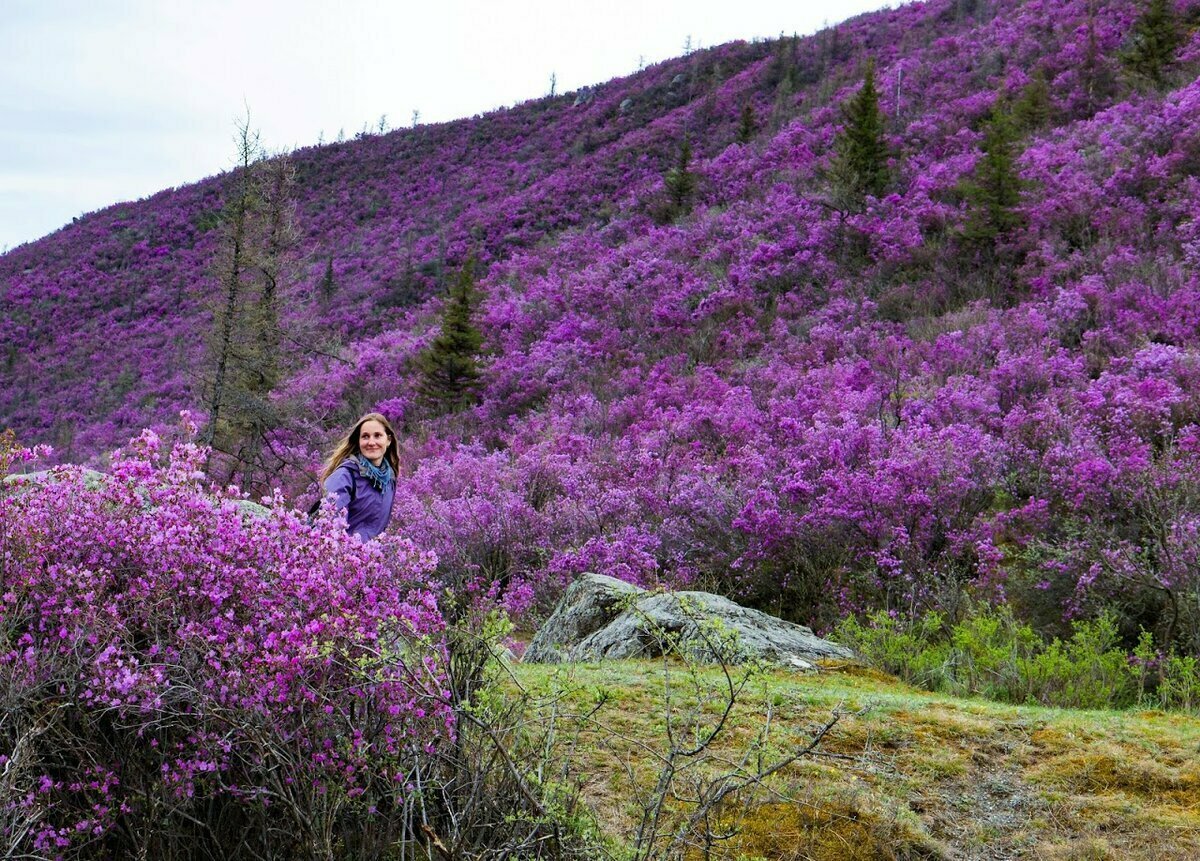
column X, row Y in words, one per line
column 820, row 403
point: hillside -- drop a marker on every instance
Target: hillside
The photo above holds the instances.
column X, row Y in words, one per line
column 819, row 401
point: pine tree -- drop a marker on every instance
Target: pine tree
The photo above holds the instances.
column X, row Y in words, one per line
column 260, row 349
column 1153, row 42
column 449, row 366
column 232, row 267
column 245, row 346
column 680, row 181
column 1031, row 111
column 328, row 283
column 994, row 192
column 1098, row 82
column 748, row 125
column 860, row 165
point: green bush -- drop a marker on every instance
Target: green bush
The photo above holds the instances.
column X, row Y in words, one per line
column 1179, row 685
column 992, row 654
column 914, row 650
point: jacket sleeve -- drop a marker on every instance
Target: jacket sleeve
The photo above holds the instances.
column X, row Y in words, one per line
column 341, row 485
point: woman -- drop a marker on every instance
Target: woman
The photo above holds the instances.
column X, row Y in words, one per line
column 361, row 476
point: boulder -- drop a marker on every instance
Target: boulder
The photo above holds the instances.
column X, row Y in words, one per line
column 678, row 79
column 601, row 618
column 626, row 106
column 584, row 97
column 91, row 478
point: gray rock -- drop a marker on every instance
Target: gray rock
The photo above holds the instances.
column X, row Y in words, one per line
column 91, row 478
column 626, row 106
column 585, row 95
column 252, row 509
column 678, row 79
column 603, row 618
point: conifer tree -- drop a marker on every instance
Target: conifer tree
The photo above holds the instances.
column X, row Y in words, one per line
column 1096, row 77
column 784, row 106
column 748, row 125
column 783, row 61
column 680, row 181
column 1031, row 111
column 232, row 267
column 1153, row 42
column 245, row 345
column 449, row 366
column 260, row 347
column 860, row 165
column 994, row 192
column 328, row 283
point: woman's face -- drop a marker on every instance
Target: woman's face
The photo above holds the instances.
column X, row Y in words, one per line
column 373, row 441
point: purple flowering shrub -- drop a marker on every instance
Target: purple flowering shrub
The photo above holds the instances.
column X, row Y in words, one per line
column 179, row 670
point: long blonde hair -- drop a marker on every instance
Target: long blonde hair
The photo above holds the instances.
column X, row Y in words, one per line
column 347, row 447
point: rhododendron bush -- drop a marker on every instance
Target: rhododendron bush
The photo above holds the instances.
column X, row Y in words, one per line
column 178, row 666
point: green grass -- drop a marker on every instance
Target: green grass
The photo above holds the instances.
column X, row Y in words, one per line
column 905, row 773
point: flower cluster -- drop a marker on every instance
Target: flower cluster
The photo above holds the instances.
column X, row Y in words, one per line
column 168, row 651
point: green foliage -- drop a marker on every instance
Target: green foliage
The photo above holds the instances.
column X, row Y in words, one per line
column 328, row 284
column 205, row 220
column 782, row 68
column 747, row 125
column 1154, row 40
column 993, row 193
column 860, row 165
column 1099, row 84
column 992, row 654
column 680, row 182
column 449, row 366
column 1031, row 110
column 917, row 652
column 1179, row 684
column 245, row 361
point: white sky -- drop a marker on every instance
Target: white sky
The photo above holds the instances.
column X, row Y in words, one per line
column 109, row 100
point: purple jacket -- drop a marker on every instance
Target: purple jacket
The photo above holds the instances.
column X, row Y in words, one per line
column 367, row 510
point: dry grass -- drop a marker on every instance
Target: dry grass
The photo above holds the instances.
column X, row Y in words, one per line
column 906, row 774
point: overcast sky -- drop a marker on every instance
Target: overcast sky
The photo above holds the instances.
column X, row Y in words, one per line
column 103, row 101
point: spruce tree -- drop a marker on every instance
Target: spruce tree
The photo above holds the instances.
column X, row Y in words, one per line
column 680, row 181
column 1153, row 42
column 861, row 153
column 245, row 356
column 1031, row 111
column 231, row 267
column 994, row 192
column 1098, row 82
column 449, row 366
column 748, row 125
column 328, row 283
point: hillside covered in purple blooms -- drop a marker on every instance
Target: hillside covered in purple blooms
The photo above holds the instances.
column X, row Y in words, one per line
column 818, row 401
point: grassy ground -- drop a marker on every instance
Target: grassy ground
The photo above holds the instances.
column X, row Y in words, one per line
column 903, row 774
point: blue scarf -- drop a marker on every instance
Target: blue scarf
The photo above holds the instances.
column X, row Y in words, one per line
column 381, row 477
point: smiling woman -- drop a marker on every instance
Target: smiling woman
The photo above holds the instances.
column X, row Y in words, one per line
column 361, row 475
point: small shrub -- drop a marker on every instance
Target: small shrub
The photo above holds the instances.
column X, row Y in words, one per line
column 992, row 654
column 1179, row 687
column 915, row 651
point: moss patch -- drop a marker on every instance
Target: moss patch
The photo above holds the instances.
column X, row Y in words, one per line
column 905, row 773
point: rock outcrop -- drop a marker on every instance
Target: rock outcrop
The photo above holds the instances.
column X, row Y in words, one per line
column 603, row 618
column 93, row 479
